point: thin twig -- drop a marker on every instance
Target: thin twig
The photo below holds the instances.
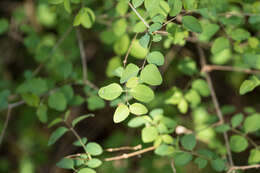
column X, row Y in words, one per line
column 138, row 147
column 172, row 19
column 82, row 54
column 91, row 85
column 140, row 17
column 215, row 101
column 173, row 167
column 126, row 156
column 129, row 49
column 63, row 37
column 8, row 116
column 209, row 68
column 78, row 137
column 243, row 168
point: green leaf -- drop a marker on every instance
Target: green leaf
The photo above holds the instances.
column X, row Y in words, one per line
column 31, row 99
column 202, row 87
column 85, row 17
column 151, row 4
column 66, row 163
column 164, row 150
column 68, row 92
column 110, row 92
column 121, row 113
column 137, row 121
column 156, row 58
column 94, row 148
column 142, row 93
column 155, row 27
column 218, row 164
column 54, row 122
column 183, row 106
column 209, row 30
column 138, row 51
column 149, row 134
column 182, row 159
column 222, row 128
column 167, row 139
column 206, row 153
column 36, row 86
column 222, row 57
column 138, row 109
column 57, row 101
column 202, row 163
column 77, row 100
column 144, row 40
column 254, row 156
column 55, row 1
column 139, row 27
column 67, row 6
column 238, row 143
column 240, row 34
column 121, row 45
column 94, row 163
column 56, row 135
column 249, row 85
column 113, row 64
column 132, row 82
column 80, row 118
column 95, row 103
column 192, row 24
column 151, row 75
column 193, row 98
column 4, row 25
column 137, row 3
column 188, row 141
column 252, row 60
column 251, row 123
column 159, row 18
column 131, row 70
column 175, row 6
column 120, row 26
column 236, row 120
column 122, row 7
column 42, row 113
column 4, row 99
column 220, row 44
column 187, row 66
column 86, row 170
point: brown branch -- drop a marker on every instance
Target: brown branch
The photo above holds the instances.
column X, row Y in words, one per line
column 173, row 167
column 126, row 156
column 209, row 68
column 5, row 124
column 83, row 55
column 140, row 17
column 215, row 101
column 138, row 147
column 129, row 49
column 243, row 168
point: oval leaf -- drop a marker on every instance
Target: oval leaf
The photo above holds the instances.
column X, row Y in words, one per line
column 121, row 113
column 138, row 109
column 156, row 58
column 142, row 93
column 151, row 75
column 192, row 24
column 57, row 134
column 110, row 92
